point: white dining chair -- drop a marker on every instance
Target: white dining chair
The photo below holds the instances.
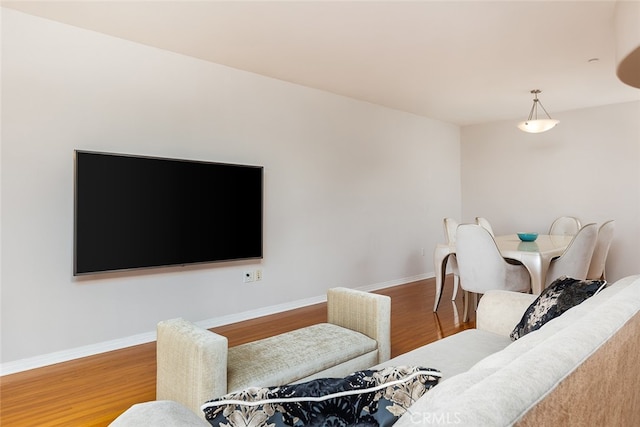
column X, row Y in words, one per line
column 484, row 223
column 450, row 226
column 599, row 257
column 565, row 226
column 482, row 267
column 574, row 261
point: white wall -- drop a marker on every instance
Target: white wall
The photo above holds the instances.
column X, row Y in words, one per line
column 588, row 166
column 353, row 191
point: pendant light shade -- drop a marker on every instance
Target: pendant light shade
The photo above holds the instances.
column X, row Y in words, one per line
column 533, row 124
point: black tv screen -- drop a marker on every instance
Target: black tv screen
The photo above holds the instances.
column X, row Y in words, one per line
column 138, row 212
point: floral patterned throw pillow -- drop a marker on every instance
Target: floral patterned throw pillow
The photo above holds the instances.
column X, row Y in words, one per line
column 364, row 398
column 561, row 295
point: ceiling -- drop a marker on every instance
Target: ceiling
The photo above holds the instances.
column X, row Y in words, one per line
column 463, row 62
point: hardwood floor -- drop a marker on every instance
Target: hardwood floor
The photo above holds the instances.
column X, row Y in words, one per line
column 94, row 390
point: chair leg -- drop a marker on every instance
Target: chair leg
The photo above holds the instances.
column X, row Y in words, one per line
column 456, row 284
column 456, row 315
column 466, row 296
column 465, row 315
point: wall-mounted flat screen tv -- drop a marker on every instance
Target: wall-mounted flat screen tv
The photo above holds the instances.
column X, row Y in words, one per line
column 136, row 212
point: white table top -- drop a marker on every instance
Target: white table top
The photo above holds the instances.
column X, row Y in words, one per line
column 511, row 246
column 536, row 257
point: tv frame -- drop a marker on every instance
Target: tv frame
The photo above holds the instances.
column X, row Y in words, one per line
column 169, row 159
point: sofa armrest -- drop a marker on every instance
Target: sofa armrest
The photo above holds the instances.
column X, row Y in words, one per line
column 163, row 413
column 192, row 364
column 364, row 312
column 500, row 311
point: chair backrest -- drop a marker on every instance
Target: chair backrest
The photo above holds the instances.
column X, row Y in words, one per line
column 450, row 226
column 565, row 226
column 574, row 261
column 599, row 257
column 484, row 223
column 481, row 264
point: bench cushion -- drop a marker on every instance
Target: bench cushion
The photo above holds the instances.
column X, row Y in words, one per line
column 288, row 357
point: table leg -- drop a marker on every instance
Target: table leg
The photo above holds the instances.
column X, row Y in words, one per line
column 537, row 272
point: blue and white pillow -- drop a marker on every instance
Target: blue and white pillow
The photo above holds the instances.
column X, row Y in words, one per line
column 561, row 295
column 364, row 398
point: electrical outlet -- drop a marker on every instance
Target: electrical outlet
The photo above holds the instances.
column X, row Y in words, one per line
column 249, row 276
column 258, row 274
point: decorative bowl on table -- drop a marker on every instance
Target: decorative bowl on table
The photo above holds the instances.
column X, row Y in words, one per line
column 528, row 237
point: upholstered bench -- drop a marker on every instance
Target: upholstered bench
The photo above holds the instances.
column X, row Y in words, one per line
column 286, row 358
column 196, row 365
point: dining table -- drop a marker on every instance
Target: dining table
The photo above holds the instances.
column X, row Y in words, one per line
column 535, row 256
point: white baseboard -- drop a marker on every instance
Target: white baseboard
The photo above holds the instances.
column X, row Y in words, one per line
column 117, row 344
column 396, row 282
column 7, row 368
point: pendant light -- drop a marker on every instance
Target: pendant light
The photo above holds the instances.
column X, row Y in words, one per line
column 533, row 124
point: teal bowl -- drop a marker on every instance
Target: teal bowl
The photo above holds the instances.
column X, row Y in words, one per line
column 528, row 237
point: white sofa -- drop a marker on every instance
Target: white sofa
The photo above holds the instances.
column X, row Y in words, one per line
column 579, row 369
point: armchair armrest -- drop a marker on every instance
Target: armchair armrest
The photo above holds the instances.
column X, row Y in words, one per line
column 192, row 364
column 364, row 312
column 500, row 311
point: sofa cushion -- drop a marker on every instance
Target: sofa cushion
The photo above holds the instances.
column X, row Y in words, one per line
column 454, row 354
column 564, row 293
column 371, row 397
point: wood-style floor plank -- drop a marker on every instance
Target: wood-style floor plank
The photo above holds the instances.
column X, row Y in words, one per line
column 93, row 391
